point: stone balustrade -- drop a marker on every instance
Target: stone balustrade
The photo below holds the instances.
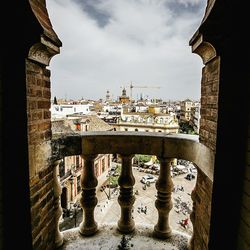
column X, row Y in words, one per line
column 127, row 144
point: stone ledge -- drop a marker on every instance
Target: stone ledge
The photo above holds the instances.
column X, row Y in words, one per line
column 109, row 238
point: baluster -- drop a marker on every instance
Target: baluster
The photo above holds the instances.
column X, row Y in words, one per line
column 88, row 198
column 163, row 203
column 126, row 198
column 57, row 207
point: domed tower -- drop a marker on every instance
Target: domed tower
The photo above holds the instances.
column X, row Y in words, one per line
column 107, row 96
column 124, row 98
column 124, row 94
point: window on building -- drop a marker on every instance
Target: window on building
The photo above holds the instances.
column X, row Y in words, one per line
column 62, row 168
column 96, row 170
column 103, row 165
column 77, row 161
column 136, row 129
column 78, row 184
column 78, row 126
column 125, row 129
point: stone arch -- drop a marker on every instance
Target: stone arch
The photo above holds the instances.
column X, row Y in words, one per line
column 224, row 78
column 40, row 51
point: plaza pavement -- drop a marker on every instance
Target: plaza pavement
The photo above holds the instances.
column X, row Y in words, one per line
column 108, row 211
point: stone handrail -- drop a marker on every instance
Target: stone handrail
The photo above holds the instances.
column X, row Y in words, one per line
column 179, row 146
column 127, row 144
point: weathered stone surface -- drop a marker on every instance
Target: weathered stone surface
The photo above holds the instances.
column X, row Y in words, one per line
column 108, row 237
column 66, row 146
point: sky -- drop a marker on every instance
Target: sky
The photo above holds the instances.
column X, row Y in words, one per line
column 110, row 44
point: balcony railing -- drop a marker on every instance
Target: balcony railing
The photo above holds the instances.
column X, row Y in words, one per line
column 127, row 144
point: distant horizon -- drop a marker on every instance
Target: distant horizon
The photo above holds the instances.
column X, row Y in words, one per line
column 91, row 99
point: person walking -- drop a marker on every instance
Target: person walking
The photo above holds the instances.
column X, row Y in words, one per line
column 184, row 222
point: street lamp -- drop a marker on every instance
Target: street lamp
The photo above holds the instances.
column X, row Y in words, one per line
column 109, row 197
column 104, row 187
column 75, row 212
column 71, row 179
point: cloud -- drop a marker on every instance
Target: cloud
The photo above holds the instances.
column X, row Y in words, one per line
column 108, row 44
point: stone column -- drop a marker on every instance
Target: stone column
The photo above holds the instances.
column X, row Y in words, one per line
column 57, row 207
column 126, row 198
column 88, row 199
column 163, row 203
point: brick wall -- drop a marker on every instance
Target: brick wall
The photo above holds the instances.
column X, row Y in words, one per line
column 207, row 136
column 39, row 130
column 39, row 135
column 209, row 103
column 202, row 197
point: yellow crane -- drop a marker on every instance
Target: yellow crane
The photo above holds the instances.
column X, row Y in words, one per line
column 131, row 86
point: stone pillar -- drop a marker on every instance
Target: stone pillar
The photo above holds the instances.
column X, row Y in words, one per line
column 164, row 204
column 88, row 199
column 126, row 198
column 57, row 207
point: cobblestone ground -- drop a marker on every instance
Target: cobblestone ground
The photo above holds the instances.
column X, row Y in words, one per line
column 109, row 211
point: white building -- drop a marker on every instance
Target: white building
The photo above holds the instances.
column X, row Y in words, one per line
column 147, row 122
column 195, row 118
column 62, row 110
column 141, row 107
column 112, row 108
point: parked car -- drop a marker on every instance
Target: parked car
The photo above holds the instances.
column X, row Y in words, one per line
column 193, row 169
column 110, row 173
column 146, row 179
column 189, row 177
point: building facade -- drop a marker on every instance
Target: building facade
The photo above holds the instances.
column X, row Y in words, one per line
column 70, row 168
column 147, row 122
column 185, row 111
column 194, row 121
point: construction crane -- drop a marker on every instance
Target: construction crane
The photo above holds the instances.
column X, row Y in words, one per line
column 131, row 86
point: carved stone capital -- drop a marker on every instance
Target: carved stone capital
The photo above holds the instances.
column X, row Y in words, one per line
column 202, row 48
column 43, row 51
